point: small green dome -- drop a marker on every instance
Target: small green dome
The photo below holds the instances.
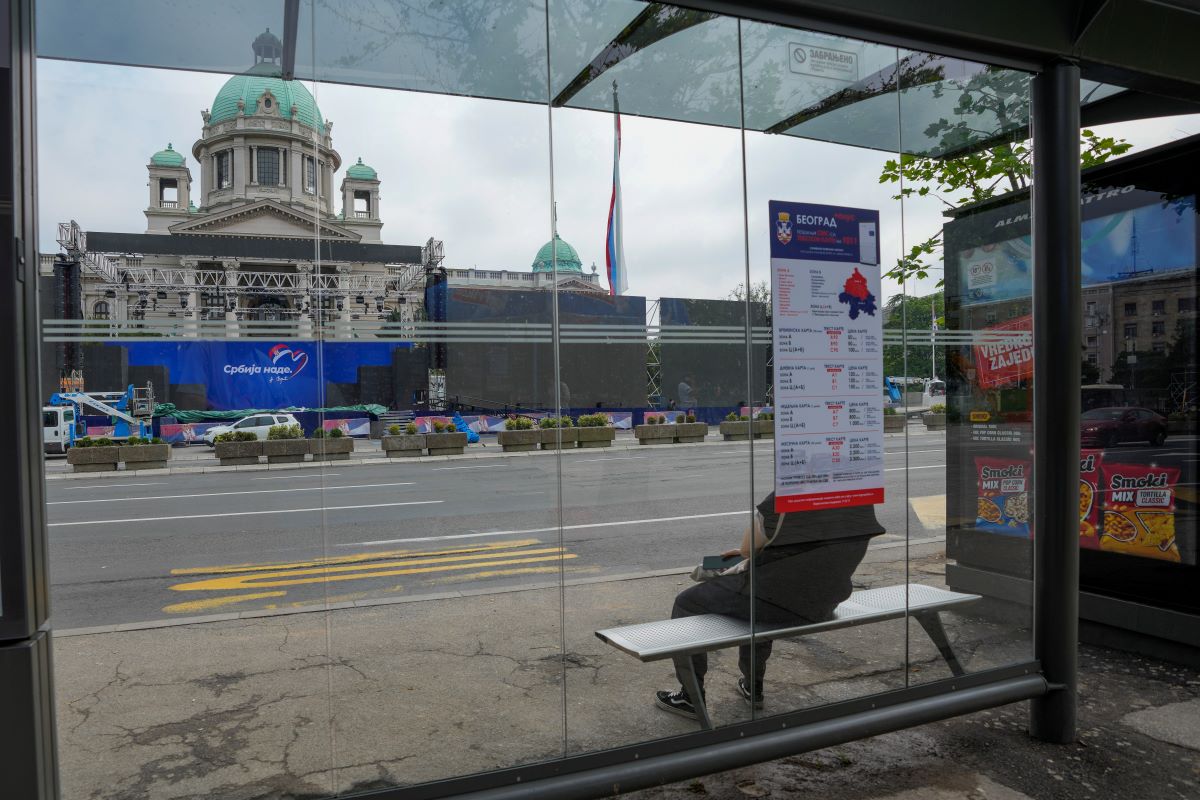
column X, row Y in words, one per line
column 251, row 84
column 167, row 158
column 362, row 172
column 568, row 259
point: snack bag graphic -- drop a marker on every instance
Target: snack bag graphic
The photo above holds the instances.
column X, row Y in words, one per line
column 1002, row 495
column 1089, row 498
column 1138, row 517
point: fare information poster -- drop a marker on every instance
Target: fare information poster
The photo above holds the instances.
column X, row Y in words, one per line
column 828, row 339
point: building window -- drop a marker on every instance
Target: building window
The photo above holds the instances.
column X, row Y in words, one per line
column 1092, row 341
column 224, row 161
column 1158, row 328
column 1093, row 359
column 1158, row 307
column 1091, row 307
column 1158, row 347
column 310, row 175
column 1131, row 330
column 1186, row 304
column 1131, row 309
column 101, row 310
column 268, row 166
column 991, row 317
column 362, row 205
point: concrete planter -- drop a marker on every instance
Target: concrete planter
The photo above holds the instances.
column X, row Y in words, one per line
column 329, row 449
column 549, row 437
column 763, row 428
column 93, row 459
column 235, row 454
column 519, row 441
column 445, row 444
column 686, row 432
column 735, row 431
column 285, row 451
column 1177, row 425
column 934, row 422
column 596, row 437
column 894, row 423
column 655, row 434
column 404, row 445
column 145, row 456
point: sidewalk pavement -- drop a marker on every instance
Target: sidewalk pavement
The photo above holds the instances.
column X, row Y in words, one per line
column 304, row 705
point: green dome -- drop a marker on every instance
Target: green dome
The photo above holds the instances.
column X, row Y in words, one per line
column 250, row 85
column 167, row 158
column 568, row 259
column 362, row 172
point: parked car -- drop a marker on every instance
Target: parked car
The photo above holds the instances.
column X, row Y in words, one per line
column 1105, row 427
column 258, row 424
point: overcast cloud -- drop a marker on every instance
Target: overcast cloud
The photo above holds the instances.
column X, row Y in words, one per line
column 476, row 174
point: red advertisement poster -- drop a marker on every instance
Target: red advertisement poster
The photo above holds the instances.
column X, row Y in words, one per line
column 1004, row 360
column 1089, row 498
column 1139, row 511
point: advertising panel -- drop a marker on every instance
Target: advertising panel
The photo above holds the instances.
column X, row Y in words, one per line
column 828, row 341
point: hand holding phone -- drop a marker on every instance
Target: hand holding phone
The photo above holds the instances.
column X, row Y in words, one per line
column 720, row 562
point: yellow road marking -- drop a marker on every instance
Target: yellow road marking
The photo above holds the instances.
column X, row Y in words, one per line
column 931, row 511
column 492, row 573
column 330, row 574
column 216, row 602
column 356, row 558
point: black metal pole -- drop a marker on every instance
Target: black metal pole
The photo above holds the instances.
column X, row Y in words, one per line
column 1056, row 322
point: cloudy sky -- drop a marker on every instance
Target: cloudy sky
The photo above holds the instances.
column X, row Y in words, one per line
column 477, row 174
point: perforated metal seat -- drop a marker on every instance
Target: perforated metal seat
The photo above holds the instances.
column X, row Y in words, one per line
column 653, row 641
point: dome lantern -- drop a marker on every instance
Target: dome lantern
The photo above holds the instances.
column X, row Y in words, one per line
column 267, row 48
column 167, row 158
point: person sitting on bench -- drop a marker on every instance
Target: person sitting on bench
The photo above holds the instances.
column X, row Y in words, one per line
column 802, row 569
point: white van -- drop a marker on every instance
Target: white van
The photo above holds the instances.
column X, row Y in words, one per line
column 58, row 428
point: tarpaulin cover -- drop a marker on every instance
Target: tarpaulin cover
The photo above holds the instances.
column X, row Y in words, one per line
column 169, row 410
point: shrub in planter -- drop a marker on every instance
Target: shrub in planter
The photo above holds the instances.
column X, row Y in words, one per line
column 734, row 429
column 285, row 444
column 935, row 418
column 763, row 426
column 655, row 431
column 141, row 453
column 690, row 431
column 331, row 445
column 443, row 443
column 237, row 448
column 558, row 432
column 893, row 422
column 594, row 431
column 518, row 435
column 403, row 445
column 93, row 455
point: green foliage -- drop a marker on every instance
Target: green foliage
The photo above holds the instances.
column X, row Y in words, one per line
column 245, row 436
column 337, row 433
column 548, row 422
column 284, row 432
column 651, row 420
column 691, row 418
column 888, row 411
column 1000, row 97
column 439, row 426
column 135, row 441
column 411, row 428
column 731, row 416
column 523, row 424
column 103, row 441
column 592, row 421
column 566, row 422
column 222, row 438
column 319, row 433
column 906, row 312
column 743, row 418
column 937, row 408
column 759, row 292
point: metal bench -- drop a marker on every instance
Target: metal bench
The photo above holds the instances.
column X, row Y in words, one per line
column 654, row 641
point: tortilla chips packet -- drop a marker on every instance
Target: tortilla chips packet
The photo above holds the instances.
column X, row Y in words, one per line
column 1139, row 511
column 1089, row 498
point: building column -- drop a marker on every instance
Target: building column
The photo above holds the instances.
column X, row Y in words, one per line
column 1057, row 319
column 253, row 165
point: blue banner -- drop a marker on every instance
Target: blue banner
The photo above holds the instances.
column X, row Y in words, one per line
column 813, row 232
column 266, row 374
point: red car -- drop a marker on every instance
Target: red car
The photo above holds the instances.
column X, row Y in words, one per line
column 1105, row 427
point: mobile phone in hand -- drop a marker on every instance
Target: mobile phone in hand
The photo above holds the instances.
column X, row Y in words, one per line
column 719, row 562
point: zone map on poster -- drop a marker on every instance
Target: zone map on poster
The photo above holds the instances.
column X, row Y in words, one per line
column 828, row 340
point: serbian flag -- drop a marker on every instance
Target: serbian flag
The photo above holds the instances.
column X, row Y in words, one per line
column 614, row 251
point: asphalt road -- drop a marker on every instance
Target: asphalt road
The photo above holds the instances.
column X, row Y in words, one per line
column 160, row 547
column 156, row 547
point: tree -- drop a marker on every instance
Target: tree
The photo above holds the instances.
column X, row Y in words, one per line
column 976, row 173
column 1088, row 373
column 915, row 315
column 760, row 292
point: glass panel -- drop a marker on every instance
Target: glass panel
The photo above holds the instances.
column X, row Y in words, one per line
column 973, row 531
column 457, row 662
column 669, row 483
column 822, row 228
